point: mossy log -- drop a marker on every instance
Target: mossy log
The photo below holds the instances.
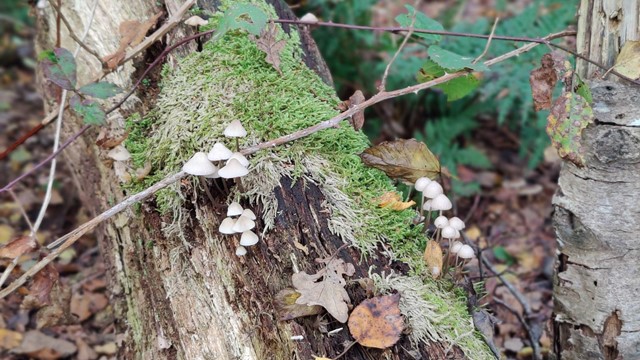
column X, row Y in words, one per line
column 178, row 289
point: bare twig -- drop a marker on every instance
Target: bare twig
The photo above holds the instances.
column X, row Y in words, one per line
column 73, row 35
column 532, row 338
column 486, row 47
column 383, row 82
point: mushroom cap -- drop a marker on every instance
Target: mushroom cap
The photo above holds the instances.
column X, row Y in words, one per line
column 119, row 153
column 241, row 158
column 456, row 223
column 440, row 202
column 248, row 213
column 427, row 205
column 455, row 247
column 448, row 232
column 226, row 226
column 432, row 190
column 243, row 224
column 219, row 152
column 466, row 252
column 422, row 183
column 309, row 17
column 233, row 169
column 235, row 129
column 199, row 165
column 441, row 221
column 196, row 20
column 234, row 209
column 241, row 251
column 214, row 175
column 248, row 238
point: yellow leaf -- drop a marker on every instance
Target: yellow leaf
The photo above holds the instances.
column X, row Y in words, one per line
column 407, row 160
column 393, row 201
column 628, row 61
column 433, row 258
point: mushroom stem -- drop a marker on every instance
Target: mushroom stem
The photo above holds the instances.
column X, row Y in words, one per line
column 203, row 182
column 237, row 145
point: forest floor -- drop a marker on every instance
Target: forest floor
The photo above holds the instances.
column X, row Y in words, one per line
column 510, row 220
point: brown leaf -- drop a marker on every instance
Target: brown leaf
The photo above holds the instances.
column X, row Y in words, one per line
column 271, row 46
column 377, row 322
column 407, row 160
column 357, row 120
column 18, row 247
column 543, row 80
column 41, row 346
column 9, row 339
column 433, row 258
column 328, row 292
column 83, row 305
column 132, row 32
column 42, row 283
column 288, row 309
column 628, row 60
column 393, row 201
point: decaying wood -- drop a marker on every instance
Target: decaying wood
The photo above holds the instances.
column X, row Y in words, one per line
column 597, row 220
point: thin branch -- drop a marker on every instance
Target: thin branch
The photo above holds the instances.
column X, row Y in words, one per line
column 383, row 82
column 486, row 47
column 71, row 237
column 525, row 325
column 71, row 33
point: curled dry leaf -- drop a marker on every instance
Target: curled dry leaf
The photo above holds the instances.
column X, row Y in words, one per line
column 433, row 258
column 543, row 80
column 271, row 46
column 328, row 292
column 288, row 309
column 18, row 247
column 357, row 120
column 43, row 281
column 407, row 160
column 393, row 201
column 377, row 322
column 132, row 32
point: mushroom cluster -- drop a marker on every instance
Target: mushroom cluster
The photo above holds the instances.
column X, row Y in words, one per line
column 433, row 199
column 240, row 221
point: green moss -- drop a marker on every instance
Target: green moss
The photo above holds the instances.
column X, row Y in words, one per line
column 230, row 80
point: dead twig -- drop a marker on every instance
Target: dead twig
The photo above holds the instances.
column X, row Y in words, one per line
column 486, row 47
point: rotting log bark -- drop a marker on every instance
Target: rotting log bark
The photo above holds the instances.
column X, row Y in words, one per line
column 198, row 300
column 597, row 220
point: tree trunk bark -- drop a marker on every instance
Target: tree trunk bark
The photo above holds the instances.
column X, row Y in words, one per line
column 189, row 296
column 596, row 208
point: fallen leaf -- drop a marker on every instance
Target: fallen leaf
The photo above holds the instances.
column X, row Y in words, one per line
column 9, row 339
column 377, row 322
column 85, row 352
column 18, row 247
column 288, row 309
column 357, row 120
column 513, row 344
column 42, row 283
column 393, row 201
column 132, row 32
column 543, row 80
column 6, row 232
column 570, row 115
column 83, row 305
column 433, row 258
column 628, row 60
column 109, row 348
column 268, row 42
column 41, row 346
column 328, row 292
column 407, row 160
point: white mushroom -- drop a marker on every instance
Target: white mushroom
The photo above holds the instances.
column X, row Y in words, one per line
column 432, row 190
column 243, row 224
column 448, row 232
column 234, row 209
column 309, row 18
column 427, row 205
column 440, row 202
column 241, row 158
column 196, row 21
column 248, row 213
column 248, row 238
column 199, row 165
column 241, row 251
column 219, row 152
column 235, row 129
column 422, row 183
column 233, row 169
column 455, row 247
column 456, row 223
column 441, row 222
column 227, row 225
column 466, row 252
column 119, row 153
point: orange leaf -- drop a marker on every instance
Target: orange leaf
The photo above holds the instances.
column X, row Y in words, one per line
column 18, row 247
column 377, row 322
column 393, row 201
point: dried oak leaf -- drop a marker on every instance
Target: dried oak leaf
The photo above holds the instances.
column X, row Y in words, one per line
column 543, row 80
column 328, row 292
column 393, row 201
column 18, row 247
column 271, row 46
column 377, row 322
column 132, row 32
column 433, row 258
column 288, row 309
column 357, row 120
column 407, row 160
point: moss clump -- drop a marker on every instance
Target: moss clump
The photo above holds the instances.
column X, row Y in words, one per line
column 231, row 80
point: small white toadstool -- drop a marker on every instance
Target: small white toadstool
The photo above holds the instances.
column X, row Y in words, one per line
column 234, row 209
column 226, row 226
column 243, row 224
column 241, row 251
column 199, row 165
column 432, row 190
column 455, row 247
column 219, row 152
column 310, row 18
column 422, row 183
column 448, row 232
column 435, row 271
column 248, row 238
column 440, row 202
column 196, row 20
column 235, row 129
column 456, row 223
column 248, row 213
column 466, row 252
column 441, row 222
column 427, row 205
column 241, row 158
column 119, row 153
column 233, row 169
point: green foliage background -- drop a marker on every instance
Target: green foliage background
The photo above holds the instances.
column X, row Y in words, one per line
column 357, row 60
